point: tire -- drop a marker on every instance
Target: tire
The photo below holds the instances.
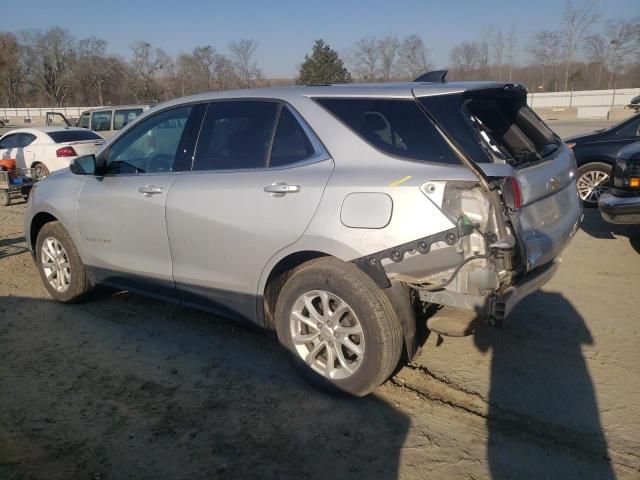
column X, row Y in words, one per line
column 369, row 313
column 5, row 198
column 75, row 284
column 41, row 171
column 597, row 173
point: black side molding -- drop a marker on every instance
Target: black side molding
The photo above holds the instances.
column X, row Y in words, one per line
column 435, row 76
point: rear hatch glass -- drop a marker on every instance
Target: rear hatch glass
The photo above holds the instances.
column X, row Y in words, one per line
column 66, row 136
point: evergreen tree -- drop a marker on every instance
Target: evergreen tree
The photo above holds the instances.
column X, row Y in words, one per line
column 323, row 66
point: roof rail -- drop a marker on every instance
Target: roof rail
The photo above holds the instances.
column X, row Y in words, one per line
column 435, row 76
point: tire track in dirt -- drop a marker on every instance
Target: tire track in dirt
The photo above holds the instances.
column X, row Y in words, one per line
column 430, row 387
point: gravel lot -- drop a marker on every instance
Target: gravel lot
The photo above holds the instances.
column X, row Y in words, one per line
column 127, row 387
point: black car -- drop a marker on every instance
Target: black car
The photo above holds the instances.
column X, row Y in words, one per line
column 596, row 154
column 622, row 203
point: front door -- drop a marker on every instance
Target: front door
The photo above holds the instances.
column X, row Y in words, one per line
column 257, row 179
column 121, row 215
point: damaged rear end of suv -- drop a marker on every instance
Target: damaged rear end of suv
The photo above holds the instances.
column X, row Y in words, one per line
column 465, row 207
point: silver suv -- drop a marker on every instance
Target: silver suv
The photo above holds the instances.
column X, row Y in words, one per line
column 330, row 214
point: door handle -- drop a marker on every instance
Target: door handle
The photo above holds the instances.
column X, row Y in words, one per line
column 279, row 189
column 149, row 190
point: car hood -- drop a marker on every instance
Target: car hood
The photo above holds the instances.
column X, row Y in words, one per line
column 585, row 137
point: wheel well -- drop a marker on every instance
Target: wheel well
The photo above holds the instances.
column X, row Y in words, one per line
column 278, row 277
column 37, row 223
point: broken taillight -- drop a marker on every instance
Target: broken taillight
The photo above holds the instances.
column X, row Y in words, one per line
column 512, row 193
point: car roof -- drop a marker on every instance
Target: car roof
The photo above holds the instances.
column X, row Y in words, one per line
column 36, row 130
column 115, row 107
column 364, row 90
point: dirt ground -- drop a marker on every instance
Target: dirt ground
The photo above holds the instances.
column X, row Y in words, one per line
column 127, row 387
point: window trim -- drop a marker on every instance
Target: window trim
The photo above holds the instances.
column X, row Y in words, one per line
column 320, row 152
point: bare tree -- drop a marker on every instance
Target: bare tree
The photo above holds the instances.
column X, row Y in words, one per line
column 388, row 49
column 622, row 40
column 576, row 22
column 146, row 63
column 465, row 58
column 50, row 59
column 94, row 69
column 595, row 48
column 364, row 59
column 10, row 69
column 511, row 45
column 413, row 57
column 244, row 63
column 498, row 47
column 545, row 49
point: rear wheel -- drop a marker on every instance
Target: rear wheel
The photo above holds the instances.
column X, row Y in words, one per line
column 341, row 330
column 592, row 181
column 40, row 171
column 61, row 269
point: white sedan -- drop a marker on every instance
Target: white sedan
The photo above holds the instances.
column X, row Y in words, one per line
column 48, row 148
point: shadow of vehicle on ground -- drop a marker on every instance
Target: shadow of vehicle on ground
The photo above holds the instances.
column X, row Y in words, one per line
column 594, row 225
column 126, row 387
column 541, row 391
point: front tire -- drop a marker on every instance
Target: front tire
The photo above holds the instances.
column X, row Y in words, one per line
column 59, row 264
column 592, row 181
column 341, row 330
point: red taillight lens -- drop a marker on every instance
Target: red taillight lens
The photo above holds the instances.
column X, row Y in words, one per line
column 512, row 193
column 66, row 152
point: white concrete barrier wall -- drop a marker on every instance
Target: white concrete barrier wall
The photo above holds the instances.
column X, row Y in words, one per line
column 585, row 98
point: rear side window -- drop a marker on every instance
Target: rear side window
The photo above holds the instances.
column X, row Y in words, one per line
column 10, row 141
column 26, row 139
column 64, row 136
column 397, row 127
column 236, row 135
column 290, row 145
column 101, row 121
column 122, row 117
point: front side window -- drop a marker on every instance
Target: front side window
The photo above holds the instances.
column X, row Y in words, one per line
column 122, row 117
column 25, row 140
column 396, row 127
column 9, row 142
column 151, row 146
column 236, row 135
column 290, row 144
column 84, row 121
column 101, row 121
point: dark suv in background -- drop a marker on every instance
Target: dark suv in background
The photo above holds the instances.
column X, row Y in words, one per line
column 596, row 154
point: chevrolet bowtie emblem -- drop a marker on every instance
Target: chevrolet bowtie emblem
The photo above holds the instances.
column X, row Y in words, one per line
column 553, row 184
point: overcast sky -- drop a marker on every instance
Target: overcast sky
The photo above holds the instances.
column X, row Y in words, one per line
column 285, row 30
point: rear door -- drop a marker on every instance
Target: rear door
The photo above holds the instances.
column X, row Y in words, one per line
column 121, row 215
column 257, row 178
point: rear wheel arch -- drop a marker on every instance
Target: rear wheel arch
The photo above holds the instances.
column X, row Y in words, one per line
column 276, row 279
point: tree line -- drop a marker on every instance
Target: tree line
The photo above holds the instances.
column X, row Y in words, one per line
column 53, row 67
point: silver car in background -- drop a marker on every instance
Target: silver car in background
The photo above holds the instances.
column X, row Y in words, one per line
column 330, row 214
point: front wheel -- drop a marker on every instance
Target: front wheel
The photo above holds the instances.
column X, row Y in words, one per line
column 339, row 327
column 5, row 197
column 592, row 181
column 59, row 264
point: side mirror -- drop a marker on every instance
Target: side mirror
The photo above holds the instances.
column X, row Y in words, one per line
column 85, row 165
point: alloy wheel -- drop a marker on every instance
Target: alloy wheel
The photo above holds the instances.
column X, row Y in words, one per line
column 327, row 334
column 55, row 264
column 592, row 184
